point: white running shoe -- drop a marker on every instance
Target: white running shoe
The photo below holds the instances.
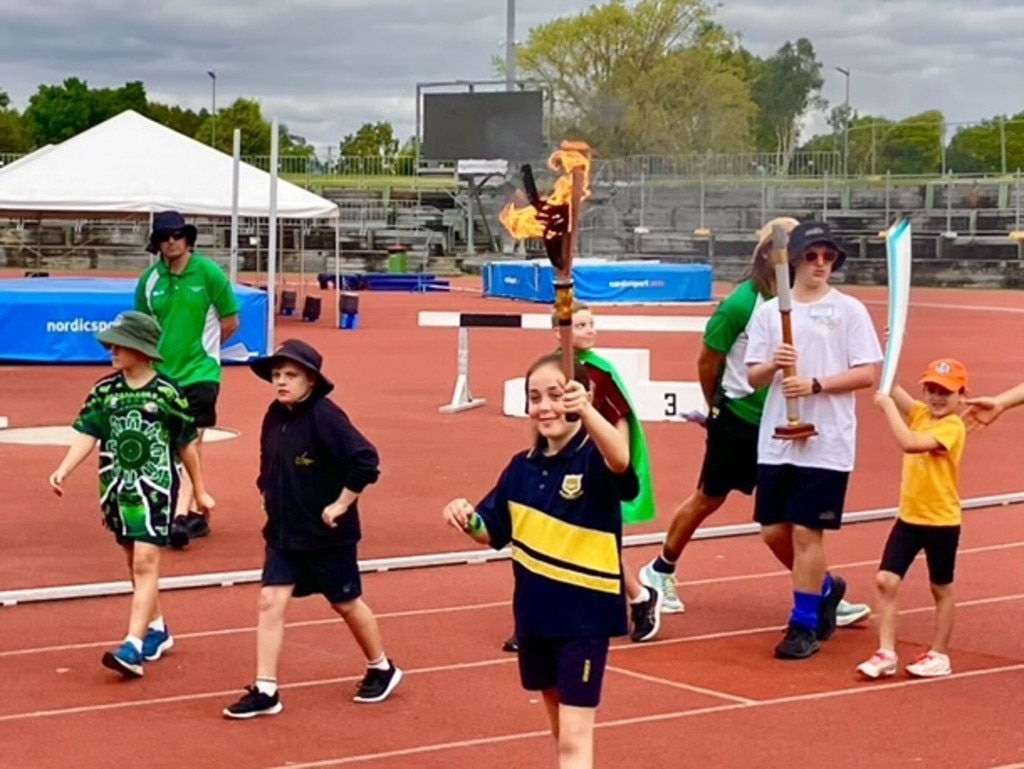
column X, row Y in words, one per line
column 883, row 664
column 664, row 584
column 931, row 664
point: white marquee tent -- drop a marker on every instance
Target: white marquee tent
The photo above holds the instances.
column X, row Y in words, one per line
column 130, row 164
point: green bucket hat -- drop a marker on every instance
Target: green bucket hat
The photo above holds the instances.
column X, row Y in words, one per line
column 134, row 330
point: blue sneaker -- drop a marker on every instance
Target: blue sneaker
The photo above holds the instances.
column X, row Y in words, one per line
column 156, row 643
column 126, row 660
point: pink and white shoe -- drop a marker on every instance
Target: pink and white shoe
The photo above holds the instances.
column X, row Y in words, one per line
column 931, row 664
column 883, row 664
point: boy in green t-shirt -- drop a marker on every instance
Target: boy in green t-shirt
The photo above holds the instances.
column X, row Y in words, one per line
column 140, row 420
column 192, row 299
column 732, row 425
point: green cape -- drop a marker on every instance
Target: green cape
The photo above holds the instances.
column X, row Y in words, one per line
column 641, row 509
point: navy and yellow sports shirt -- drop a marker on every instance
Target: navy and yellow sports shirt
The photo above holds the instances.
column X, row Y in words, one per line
column 562, row 515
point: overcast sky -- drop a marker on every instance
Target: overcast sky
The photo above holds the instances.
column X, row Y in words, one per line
column 326, row 66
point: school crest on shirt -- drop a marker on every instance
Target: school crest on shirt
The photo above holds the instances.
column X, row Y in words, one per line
column 572, row 487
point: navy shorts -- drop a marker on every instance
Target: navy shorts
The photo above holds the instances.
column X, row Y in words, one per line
column 939, row 543
column 730, row 454
column 202, row 403
column 332, row 573
column 572, row 666
column 811, row 497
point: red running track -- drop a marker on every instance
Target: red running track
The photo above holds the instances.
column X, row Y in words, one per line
column 707, row 693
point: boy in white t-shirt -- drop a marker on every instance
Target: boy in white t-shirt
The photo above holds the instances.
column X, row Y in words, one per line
column 801, row 484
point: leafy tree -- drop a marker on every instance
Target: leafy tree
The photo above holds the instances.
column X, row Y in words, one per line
column 184, row 121
column 914, row 146
column 978, row 149
column 371, row 150
column 58, row 112
column 649, row 77
column 14, row 134
column 247, row 116
column 785, row 86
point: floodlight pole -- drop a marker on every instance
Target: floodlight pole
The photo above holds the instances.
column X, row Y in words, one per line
column 510, row 45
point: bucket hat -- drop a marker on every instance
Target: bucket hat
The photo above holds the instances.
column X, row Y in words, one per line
column 170, row 222
column 134, row 330
column 296, row 351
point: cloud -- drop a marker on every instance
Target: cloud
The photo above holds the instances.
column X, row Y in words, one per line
column 324, row 67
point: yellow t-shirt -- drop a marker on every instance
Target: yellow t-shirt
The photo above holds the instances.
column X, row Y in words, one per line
column 930, row 493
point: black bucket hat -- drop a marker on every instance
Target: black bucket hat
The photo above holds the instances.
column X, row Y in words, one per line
column 296, row 351
column 134, row 330
column 167, row 222
column 807, row 234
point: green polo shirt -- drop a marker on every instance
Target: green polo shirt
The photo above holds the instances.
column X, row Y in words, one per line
column 189, row 307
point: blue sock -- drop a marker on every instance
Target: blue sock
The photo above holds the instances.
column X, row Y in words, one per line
column 826, row 586
column 662, row 566
column 805, row 609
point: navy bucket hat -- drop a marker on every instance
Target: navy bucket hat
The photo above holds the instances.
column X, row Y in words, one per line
column 170, row 222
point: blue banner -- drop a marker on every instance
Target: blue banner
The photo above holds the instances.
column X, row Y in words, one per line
column 602, row 282
column 55, row 320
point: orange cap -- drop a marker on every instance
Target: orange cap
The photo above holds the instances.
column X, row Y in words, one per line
column 946, row 372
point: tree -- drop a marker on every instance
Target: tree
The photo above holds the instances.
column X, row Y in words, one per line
column 914, row 146
column 980, row 148
column 184, row 121
column 14, row 134
column 867, row 142
column 639, row 79
column 785, row 86
column 247, row 116
column 58, row 112
column 369, row 151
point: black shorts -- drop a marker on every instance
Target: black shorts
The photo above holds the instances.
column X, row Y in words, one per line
column 811, row 497
column 730, row 454
column 202, row 402
column 332, row 573
column 939, row 543
column 573, row 666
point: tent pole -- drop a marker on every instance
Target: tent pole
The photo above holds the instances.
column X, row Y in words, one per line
column 272, row 240
column 233, row 261
column 337, row 272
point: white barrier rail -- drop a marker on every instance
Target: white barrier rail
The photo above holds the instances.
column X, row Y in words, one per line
column 230, row 578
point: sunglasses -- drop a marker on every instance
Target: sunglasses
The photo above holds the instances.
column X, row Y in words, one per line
column 812, row 255
column 163, row 237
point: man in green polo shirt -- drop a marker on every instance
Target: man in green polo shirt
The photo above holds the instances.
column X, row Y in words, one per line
column 197, row 309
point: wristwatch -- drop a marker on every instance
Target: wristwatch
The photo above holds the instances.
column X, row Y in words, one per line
column 815, row 386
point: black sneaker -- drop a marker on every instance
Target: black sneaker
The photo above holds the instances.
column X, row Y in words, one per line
column 829, row 605
column 799, row 643
column 377, row 685
column 255, row 703
column 179, row 534
column 511, row 644
column 646, row 617
column 198, row 525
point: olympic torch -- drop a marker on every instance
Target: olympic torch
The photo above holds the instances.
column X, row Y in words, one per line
column 794, row 429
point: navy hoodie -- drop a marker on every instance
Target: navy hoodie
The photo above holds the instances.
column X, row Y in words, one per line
column 308, row 454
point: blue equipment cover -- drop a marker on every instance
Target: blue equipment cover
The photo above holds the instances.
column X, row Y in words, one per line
column 55, row 320
column 601, row 282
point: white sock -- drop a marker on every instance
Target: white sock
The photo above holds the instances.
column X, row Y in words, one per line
column 644, row 595
column 136, row 642
column 381, row 663
column 158, row 625
column 267, row 685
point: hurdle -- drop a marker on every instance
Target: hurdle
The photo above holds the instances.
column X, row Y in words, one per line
column 462, row 396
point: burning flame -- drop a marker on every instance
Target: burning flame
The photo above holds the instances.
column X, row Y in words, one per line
column 522, row 222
